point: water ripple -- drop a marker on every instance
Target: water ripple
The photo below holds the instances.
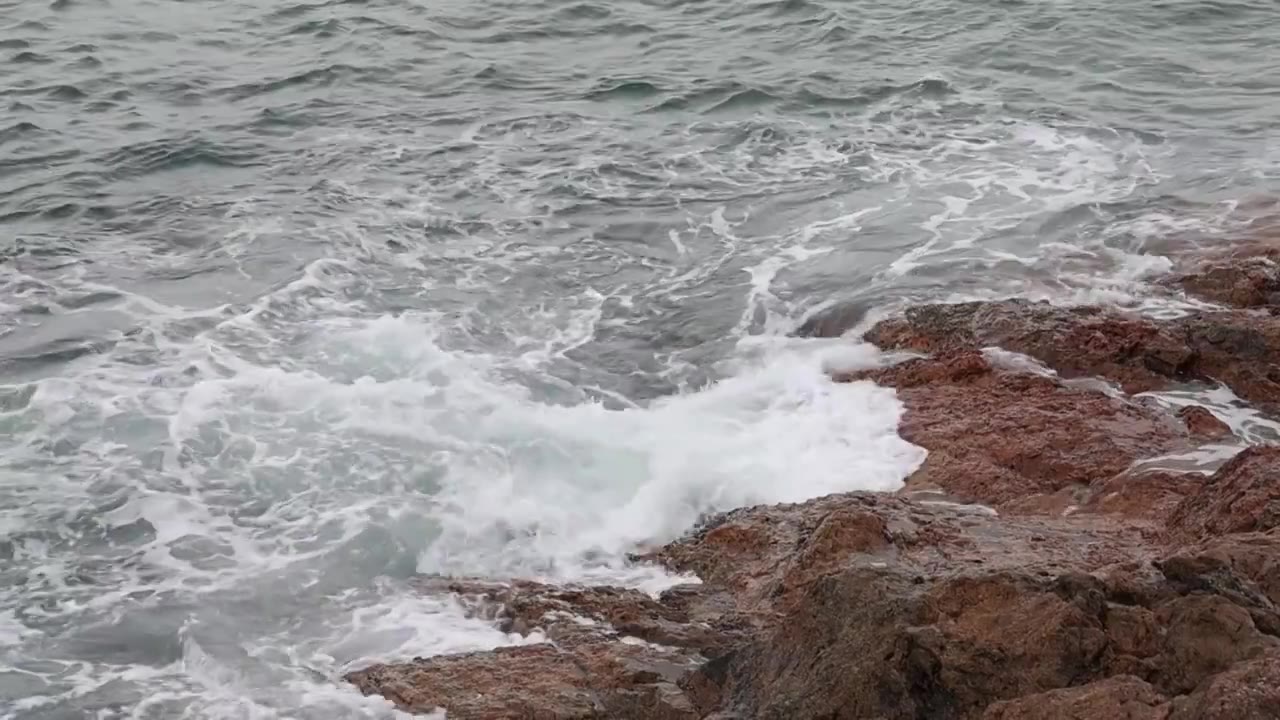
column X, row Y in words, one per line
column 277, row 279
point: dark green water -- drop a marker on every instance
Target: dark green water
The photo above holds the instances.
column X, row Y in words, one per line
column 298, row 301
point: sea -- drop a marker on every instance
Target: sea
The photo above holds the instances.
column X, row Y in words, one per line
column 301, row 302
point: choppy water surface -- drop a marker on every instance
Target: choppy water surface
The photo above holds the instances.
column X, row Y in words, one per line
column 300, row 300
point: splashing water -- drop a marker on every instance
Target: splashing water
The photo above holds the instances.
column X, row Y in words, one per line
column 363, row 291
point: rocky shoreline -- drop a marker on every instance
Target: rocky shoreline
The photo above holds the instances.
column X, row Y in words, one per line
column 1049, row 560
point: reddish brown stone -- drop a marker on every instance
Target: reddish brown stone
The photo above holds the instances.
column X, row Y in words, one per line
column 1244, row 282
column 1135, row 634
column 1236, row 347
column 478, row 685
column 1147, row 496
column 1242, row 496
column 996, row 436
column 1247, row 691
column 585, row 669
column 1205, row 635
column 524, row 606
column 1137, row 353
column 1204, row 424
column 862, row 605
column 1122, row 697
column 1066, row 501
column 1251, row 557
column 934, row 615
column 1242, row 273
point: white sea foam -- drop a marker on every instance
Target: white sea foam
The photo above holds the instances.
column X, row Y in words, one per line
column 256, row 469
column 390, row 439
column 1246, row 422
column 567, row 490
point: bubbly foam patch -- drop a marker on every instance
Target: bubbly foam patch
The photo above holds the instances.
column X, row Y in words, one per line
column 564, row 492
column 270, row 517
column 523, row 351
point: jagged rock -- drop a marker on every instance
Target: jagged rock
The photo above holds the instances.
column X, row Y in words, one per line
column 1244, row 282
column 1147, row 496
column 1137, row 353
column 1241, row 274
column 1251, row 557
column 684, row 616
column 1204, row 424
column 996, row 436
column 1235, row 347
column 1248, row 691
column 1029, row 569
column 1242, row 496
column 937, row 611
column 1123, row 697
column 584, row 670
column 864, row 605
column 898, row 609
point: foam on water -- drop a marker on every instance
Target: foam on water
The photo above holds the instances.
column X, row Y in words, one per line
column 1246, row 422
column 215, row 479
column 524, row 349
column 577, row 486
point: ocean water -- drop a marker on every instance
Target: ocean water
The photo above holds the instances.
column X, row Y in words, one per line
column 300, row 301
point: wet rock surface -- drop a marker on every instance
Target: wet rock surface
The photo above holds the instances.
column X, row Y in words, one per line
column 1203, row 424
column 1238, row 348
column 865, row 606
column 579, row 664
column 1243, row 496
column 1248, row 282
column 996, row 436
column 1031, row 568
column 1240, row 274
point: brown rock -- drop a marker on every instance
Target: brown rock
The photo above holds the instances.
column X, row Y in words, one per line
column 605, row 679
column 997, row 437
column 1242, row 496
column 1204, row 424
column 1134, row 633
column 1066, row 501
column 1245, row 282
column 929, row 611
column 871, row 606
column 1252, row 557
column 1148, row 496
column 1122, row 697
column 477, row 685
column 981, row 627
column 523, row 606
column 1206, row 634
column 1138, row 353
column 1236, row 347
column 585, row 670
column 1242, row 273
column 1212, row 568
column 1247, row 691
